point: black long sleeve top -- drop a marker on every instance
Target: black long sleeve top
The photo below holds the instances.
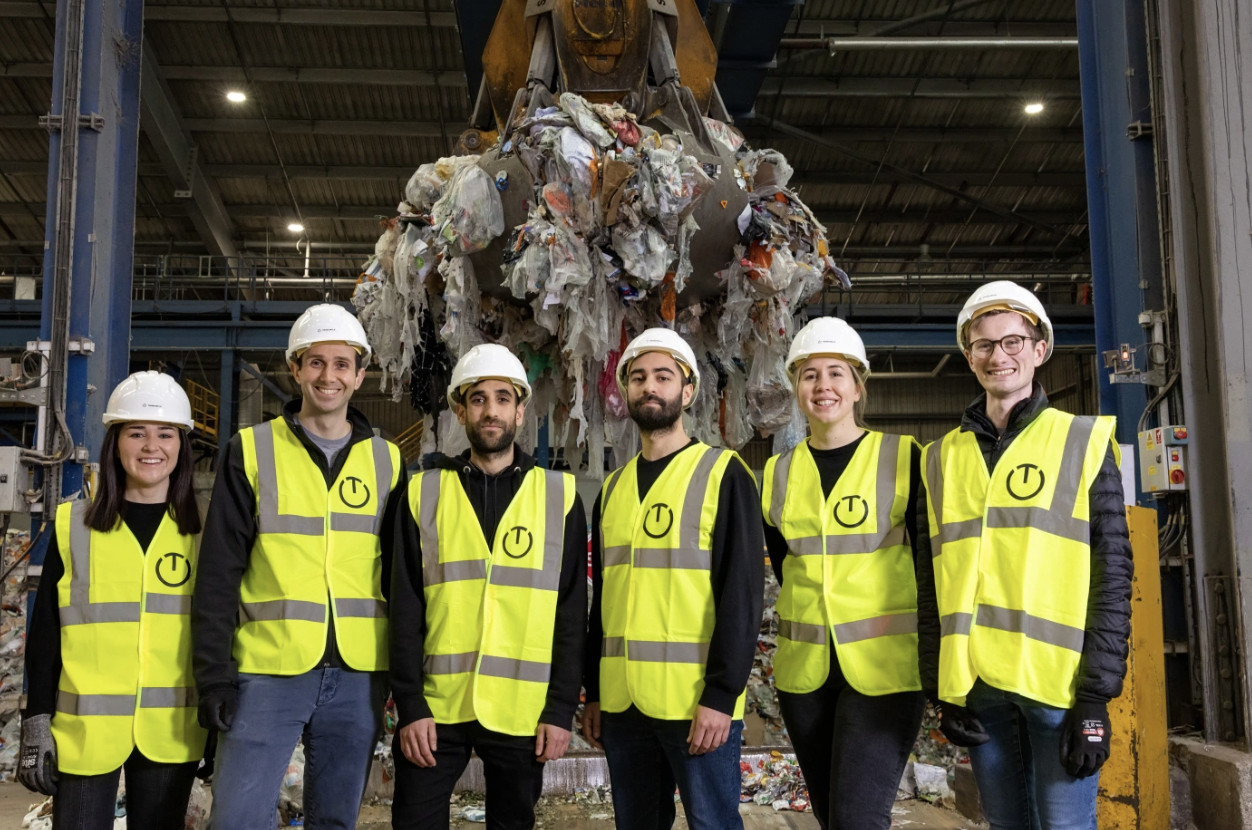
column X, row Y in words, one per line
column 738, row 576
column 43, row 631
column 1105, row 646
column 490, row 496
column 230, row 530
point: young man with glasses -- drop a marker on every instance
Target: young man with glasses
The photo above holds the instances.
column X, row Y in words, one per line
column 1024, row 600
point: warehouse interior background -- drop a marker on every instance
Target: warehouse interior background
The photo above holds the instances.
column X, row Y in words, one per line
column 1081, row 148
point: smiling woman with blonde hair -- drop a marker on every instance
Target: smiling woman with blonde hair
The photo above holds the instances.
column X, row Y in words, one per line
column 840, row 509
column 108, row 657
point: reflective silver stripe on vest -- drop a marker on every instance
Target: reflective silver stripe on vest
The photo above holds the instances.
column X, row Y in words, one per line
column 281, row 609
column 450, row 663
column 677, row 558
column 547, row 578
column 367, row 607
column 1057, row 520
column 511, row 669
column 946, row 532
column 609, row 486
column 798, row 632
column 360, row 523
column 269, row 520
column 778, row 493
column 168, row 697
column 884, row 499
column 1035, row 628
column 82, row 705
column 615, row 555
column 432, row 572
column 457, row 571
column 613, row 647
column 958, row 623
column 647, row 651
column 805, row 546
column 81, row 610
column 167, row 604
column 883, row 626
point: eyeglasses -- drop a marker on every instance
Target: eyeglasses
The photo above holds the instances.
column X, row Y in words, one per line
column 1013, row 344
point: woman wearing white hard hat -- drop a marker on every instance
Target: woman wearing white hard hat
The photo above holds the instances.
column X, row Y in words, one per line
column 1024, row 576
column 839, row 512
column 108, row 657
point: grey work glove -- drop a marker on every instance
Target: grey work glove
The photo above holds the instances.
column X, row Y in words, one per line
column 37, row 762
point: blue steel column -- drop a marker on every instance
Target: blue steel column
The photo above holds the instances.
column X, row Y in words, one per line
column 226, row 391
column 1121, row 189
column 104, row 213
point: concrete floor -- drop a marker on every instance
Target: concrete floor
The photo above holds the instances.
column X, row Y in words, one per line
column 16, row 801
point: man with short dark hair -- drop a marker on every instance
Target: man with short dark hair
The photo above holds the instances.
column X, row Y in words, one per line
column 1024, row 575
column 488, row 610
column 678, row 571
column 289, row 618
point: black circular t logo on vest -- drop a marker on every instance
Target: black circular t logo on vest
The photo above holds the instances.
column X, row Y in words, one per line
column 657, row 515
column 173, row 569
column 1026, row 481
column 851, row 511
column 513, row 542
column 357, row 487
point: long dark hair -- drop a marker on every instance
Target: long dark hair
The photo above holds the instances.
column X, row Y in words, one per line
column 106, row 509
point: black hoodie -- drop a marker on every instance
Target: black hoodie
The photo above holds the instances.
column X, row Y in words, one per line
column 490, row 496
column 1105, row 648
column 226, row 547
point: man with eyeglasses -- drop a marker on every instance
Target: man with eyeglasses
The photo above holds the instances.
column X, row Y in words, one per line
column 1024, row 600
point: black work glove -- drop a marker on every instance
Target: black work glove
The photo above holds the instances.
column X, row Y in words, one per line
column 960, row 726
column 37, row 764
column 1085, row 736
column 205, row 771
column 217, row 708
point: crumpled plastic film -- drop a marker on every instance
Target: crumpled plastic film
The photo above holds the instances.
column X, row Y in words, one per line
column 462, row 297
column 586, row 119
column 793, row 432
column 428, row 182
column 769, row 393
column 643, row 251
column 469, row 215
column 737, row 427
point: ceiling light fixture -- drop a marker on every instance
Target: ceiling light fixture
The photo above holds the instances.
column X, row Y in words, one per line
column 1034, row 109
column 295, row 227
column 236, row 97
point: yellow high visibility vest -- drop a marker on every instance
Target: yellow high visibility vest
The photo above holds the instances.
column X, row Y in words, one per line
column 490, row 611
column 125, row 646
column 848, row 571
column 1012, row 555
column 657, row 608
column 313, row 540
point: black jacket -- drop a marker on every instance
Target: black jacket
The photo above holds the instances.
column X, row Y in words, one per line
column 1105, row 648
column 226, row 548
column 738, row 577
column 490, row 496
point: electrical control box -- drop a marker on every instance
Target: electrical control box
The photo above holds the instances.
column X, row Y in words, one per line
column 15, row 479
column 1163, row 459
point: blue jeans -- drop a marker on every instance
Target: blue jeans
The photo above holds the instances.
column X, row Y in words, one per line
column 338, row 715
column 1021, row 780
column 647, row 757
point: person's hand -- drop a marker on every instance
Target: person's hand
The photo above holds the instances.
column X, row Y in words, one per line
column 37, row 764
column 709, row 730
column 1085, row 736
column 591, row 725
column 961, row 726
column 217, row 708
column 418, row 742
column 550, row 742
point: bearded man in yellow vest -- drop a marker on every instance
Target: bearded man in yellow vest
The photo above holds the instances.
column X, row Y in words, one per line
column 289, row 622
column 488, row 611
column 678, row 572
column 1024, row 577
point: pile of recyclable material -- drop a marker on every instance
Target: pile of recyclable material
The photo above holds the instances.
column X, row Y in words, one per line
column 776, row 782
column 762, row 697
column 13, row 566
column 605, row 251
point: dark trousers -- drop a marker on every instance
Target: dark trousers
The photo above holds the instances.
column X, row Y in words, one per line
column 156, row 796
column 514, row 779
column 852, row 749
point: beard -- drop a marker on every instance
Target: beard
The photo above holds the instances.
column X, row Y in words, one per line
column 654, row 420
column 485, row 445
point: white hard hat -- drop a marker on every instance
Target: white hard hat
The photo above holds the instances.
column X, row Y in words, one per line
column 660, row 340
column 827, row 336
column 1009, row 296
column 488, row 362
column 149, row 397
column 326, row 323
